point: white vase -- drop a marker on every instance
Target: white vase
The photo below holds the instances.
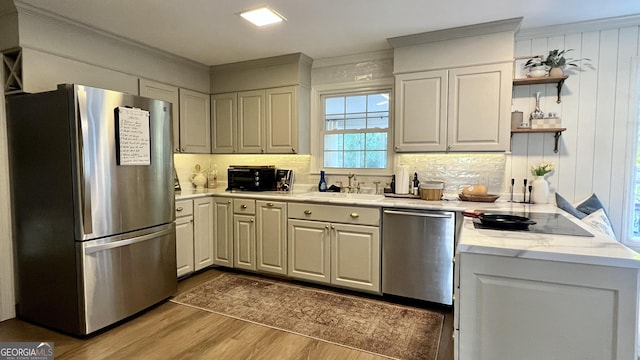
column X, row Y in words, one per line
column 540, row 190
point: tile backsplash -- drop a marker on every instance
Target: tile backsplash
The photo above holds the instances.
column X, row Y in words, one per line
column 456, row 170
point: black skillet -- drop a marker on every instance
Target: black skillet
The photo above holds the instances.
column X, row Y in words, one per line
column 503, row 221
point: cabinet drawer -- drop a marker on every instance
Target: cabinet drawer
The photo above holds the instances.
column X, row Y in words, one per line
column 184, row 208
column 244, row 206
column 332, row 213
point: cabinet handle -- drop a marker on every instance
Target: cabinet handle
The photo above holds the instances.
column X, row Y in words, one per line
column 269, row 204
column 354, row 215
column 243, row 206
column 307, row 212
column 179, row 208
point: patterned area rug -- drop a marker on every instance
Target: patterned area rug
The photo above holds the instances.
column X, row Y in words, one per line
column 395, row 331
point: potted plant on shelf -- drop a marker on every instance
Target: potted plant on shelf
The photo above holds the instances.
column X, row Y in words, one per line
column 537, row 67
column 556, row 61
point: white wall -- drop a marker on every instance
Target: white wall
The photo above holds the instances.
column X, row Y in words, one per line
column 595, row 110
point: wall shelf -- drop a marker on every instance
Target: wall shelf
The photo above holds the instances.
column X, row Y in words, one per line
column 557, row 131
column 559, row 80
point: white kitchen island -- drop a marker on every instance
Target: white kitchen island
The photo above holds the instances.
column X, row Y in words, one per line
column 522, row 295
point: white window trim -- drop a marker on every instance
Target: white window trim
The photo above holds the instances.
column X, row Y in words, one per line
column 317, row 124
column 632, row 143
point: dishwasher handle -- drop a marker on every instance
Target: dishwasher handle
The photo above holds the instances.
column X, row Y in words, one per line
column 421, row 214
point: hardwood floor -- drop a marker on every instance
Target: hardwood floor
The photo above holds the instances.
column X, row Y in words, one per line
column 173, row 331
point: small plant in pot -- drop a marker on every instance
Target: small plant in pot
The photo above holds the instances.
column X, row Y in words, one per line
column 556, row 61
column 537, row 67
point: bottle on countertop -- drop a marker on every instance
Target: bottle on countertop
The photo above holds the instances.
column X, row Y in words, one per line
column 415, row 183
column 393, row 184
column 322, row 185
column 212, row 180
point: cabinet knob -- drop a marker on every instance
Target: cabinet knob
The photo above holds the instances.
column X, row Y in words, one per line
column 307, row 212
column 293, row 150
column 397, row 147
column 229, row 202
column 184, row 149
column 453, row 297
column 354, row 215
column 448, row 147
column 269, row 204
column 262, row 150
column 326, row 226
column 243, row 206
column 179, row 208
column 453, row 260
column 332, row 227
column 251, row 220
column 177, row 150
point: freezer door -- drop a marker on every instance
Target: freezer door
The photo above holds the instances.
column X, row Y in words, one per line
column 114, row 198
column 124, row 275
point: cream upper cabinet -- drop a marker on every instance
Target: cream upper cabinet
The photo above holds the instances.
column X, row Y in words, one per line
column 479, row 108
column 281, row 120
column 224, row 114
column 195, row 122
column 261, row 121
column 160, row 91
column 223, row 231
column 271, row 237
column 459, row 109
column 251, row 122
column 421, row 111
column 203, row 210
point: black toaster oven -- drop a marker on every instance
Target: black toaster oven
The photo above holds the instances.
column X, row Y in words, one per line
column 251, row 178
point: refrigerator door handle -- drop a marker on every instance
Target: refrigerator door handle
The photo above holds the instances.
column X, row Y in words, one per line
column 85, row 181
column 90, row 249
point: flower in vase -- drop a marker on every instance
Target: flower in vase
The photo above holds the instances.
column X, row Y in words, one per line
column 542, row 169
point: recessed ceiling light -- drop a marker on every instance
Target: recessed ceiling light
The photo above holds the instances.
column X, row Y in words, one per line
column 262, row 16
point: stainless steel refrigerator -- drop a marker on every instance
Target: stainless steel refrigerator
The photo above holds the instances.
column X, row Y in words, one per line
column 92, row 205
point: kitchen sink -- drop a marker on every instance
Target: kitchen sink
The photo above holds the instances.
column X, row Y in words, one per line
column 336, row 195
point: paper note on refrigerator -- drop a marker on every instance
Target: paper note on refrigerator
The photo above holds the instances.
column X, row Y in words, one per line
column 132, row 137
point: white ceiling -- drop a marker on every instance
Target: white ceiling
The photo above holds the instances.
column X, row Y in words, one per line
column 211, row 32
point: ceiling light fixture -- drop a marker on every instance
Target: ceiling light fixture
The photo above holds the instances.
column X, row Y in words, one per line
column 262, row 16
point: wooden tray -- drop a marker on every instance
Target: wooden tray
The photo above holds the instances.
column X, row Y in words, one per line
column 479, row 198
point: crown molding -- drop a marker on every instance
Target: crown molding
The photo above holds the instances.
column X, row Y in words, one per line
column 491, row 27
column 28, row 9
column 578, row 27
column 354, row 59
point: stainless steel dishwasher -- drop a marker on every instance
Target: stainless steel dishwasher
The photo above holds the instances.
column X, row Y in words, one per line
column 417, row 253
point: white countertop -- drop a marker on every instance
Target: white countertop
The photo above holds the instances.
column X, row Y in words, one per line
column 597, row 250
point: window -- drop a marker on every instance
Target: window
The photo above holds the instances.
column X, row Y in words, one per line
column 355, row 130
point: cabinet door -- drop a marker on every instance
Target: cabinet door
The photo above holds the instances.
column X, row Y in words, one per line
column 203, row 232
column 244, row 241
column 355, row 257
column 421, row 111
column 271, row 236
column 184, row 245
column 223, row 232
column 281, row 120
column 168, row 93
column 195, row 122
column 479, row 108
column 251, row 122
column 509, row 301
column 223, row 123
column 309, row 250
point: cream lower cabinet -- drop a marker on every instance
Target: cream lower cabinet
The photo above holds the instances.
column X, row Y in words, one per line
column 184, row 237
column 271, row 237
column 244, row 234
column 460, row 109
column 223, row 231
column 335, row 245
column 203, row 230
column 516, row 308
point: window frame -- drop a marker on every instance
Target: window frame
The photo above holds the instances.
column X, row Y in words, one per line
column 318, row 92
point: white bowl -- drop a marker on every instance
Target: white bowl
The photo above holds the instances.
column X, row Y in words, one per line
column 537, row 72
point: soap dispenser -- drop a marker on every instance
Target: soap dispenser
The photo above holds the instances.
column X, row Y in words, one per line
column 322, row 185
